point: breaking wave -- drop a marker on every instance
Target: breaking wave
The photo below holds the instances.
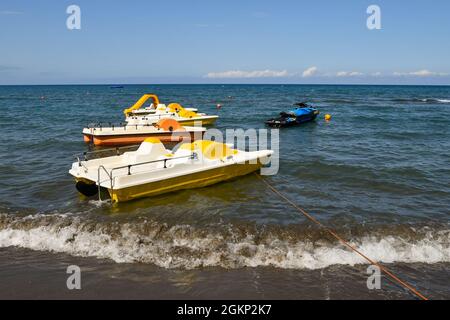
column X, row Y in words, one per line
column 227, row 246
column 422, row 100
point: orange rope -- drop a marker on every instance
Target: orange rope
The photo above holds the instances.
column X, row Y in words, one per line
column 334, row 234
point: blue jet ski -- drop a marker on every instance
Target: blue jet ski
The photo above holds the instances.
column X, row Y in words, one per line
column 301, row 114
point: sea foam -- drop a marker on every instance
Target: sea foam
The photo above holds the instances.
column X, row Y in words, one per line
column 186, row 247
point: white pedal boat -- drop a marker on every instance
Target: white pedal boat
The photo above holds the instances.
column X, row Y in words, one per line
column 151, row 110
column 136, row 115
column 153, row 170
column 169, row 131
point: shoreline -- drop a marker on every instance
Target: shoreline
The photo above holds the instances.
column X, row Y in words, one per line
column 42, row 275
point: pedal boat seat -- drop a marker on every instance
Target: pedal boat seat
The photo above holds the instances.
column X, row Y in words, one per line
column 149, row 150
column 211, row 150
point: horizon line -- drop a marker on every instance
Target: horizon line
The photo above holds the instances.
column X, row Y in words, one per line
column 218, row 84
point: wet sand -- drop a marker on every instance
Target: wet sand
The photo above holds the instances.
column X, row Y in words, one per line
column 27, row 274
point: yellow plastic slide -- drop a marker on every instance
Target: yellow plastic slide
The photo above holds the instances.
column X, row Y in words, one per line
column 141, row 101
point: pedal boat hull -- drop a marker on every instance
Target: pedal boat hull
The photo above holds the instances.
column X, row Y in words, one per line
column 203, row 121
column 129, row 139
column 168, row 131
column 189, row 181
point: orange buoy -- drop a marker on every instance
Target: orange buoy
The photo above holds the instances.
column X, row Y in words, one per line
column 169, row 124
column 327, row 117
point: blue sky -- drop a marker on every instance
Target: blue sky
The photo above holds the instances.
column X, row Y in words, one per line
column 218, row 41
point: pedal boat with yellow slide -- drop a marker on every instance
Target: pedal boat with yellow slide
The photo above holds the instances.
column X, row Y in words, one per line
column 185, row 116
column 168, row 131
column 151, row 109
column 152, row 169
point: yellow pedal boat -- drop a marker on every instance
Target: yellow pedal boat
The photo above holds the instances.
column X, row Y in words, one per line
column 136, row 115
column 153, row 170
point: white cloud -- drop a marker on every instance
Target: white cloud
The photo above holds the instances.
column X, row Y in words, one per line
column 314, row 72
column 348, row 74
column 420, row 73
column 248, row 74
column 309, row 72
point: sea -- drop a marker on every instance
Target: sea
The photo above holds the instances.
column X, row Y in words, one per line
column 377, row 173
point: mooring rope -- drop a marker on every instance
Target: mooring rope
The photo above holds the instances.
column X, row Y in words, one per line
column 339, row 238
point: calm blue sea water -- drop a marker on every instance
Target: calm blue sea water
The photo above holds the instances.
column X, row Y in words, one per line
column 378, row 173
